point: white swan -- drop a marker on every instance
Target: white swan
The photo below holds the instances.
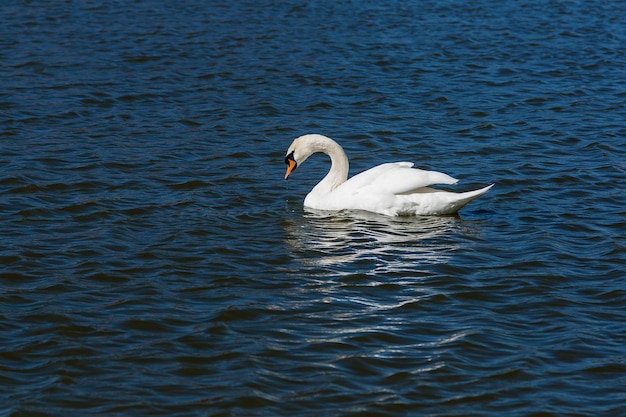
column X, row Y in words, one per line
column 394, row 189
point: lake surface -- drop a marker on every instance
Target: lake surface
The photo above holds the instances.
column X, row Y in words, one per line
column 155, row 263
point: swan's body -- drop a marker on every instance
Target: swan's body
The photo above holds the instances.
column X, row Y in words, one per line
column 394, row 189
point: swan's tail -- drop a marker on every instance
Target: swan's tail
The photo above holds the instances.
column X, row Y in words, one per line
column 470, row 195
column 459, row 200
column 430, row 201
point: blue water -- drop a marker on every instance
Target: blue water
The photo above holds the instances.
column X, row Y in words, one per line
column 155, row 263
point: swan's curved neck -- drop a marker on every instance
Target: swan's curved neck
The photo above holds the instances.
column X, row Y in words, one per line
column 339, row 165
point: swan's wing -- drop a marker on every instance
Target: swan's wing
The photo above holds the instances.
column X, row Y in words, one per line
column 394, row 178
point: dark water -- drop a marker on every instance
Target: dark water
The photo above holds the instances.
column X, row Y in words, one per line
column 155, row 263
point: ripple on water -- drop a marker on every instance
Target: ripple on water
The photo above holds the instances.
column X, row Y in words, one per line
column 152, row 265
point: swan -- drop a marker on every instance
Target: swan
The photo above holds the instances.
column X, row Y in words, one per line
column 393, row 189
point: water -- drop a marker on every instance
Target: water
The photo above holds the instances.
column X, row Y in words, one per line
column 154, row 262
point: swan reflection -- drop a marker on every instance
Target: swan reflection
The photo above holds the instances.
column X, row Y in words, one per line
column 369, row 243
column 372, row 272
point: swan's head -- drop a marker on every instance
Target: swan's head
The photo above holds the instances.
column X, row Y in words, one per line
column 300, row 149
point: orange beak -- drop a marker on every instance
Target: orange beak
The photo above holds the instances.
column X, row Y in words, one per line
column 291, row 165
